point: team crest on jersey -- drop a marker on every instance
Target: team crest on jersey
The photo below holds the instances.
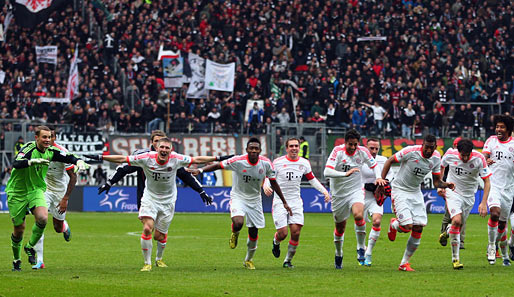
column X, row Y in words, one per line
column 344, row 161
column 511, row 149
column 358, row 161
column 244, row 170
column 261, row 171
column 169, row 168
column 400, row 216
column 152, row 168
column 430, row 165
column 301, row 167
column 471, row 166
column 455, row 163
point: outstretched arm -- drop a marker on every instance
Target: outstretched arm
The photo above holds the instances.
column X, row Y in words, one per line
column 208, row 168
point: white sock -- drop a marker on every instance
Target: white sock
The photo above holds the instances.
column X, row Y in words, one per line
column 65, row 226
column 412, row 246
column 146, row 247
column 291, row 250
column 510, row 242
column 39, row 248
column 372, row 240
column 502, row 235
column 338, row 242
column 455, row 241
column 160, row 247
column 492, row 231
column 251, row 244
column 275, row 240
column 396, row 225
column 360, row 233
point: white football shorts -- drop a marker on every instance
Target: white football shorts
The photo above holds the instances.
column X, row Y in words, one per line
column 342, row 206
column 251, row 209
column 409, row 207
column 52, row 200
column 161, row 213
column 370, row 206
column 501, row 198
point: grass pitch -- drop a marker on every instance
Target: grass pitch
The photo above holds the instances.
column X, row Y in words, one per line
column 104, row 258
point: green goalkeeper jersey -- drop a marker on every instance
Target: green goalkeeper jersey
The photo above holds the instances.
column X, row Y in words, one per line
column 26, row 179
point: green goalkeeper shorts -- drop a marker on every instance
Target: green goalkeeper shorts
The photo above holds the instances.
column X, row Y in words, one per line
column 19, row 205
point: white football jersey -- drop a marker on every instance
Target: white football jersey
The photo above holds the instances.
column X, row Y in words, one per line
column 414, row 167
column 56, row 178
column 160, row 183
column 289, row 176
column 368, row 175
column 247, row 178
column 502, row 152
column 465, row 175
column 339, row 160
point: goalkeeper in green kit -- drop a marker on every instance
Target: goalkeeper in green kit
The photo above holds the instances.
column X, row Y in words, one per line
column 26, row 187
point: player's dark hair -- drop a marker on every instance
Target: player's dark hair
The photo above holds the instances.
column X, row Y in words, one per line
column 373, row 139
column 506, row 119
column 352, row 134
column 290, row 139
column 430, row 138
column 157, row 133
column 465, row 146
column 253, row 139
column 41, row 128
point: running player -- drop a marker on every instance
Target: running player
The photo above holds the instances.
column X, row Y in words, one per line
column 343, row 169
column 464, row 166
column 289, row 171
column 60, row 182
column 26, row 188
column 499, row 153
column 159, row 196
column 249, row 172
column 407, row 200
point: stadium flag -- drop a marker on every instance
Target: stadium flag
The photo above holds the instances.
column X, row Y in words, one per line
column 46, row 54
column 197, row 86
column 29, row 13
column 173, row 67
column 167, row 54
column 56, row 100
column 220, row 77
column 372, row 38
column 275, row 89
column 73, row 79
column 7, row 22
column 173, row 82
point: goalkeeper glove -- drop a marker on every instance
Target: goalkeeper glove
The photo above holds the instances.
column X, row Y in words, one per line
column 39, row 161
column 105, row 187
column 206, row 198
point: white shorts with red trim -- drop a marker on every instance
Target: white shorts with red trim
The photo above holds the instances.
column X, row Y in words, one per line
column 161, row 213
column 342, row 206
column 251, row 209
column 52, row 200
column 501, row 198
column 370, row 206
column 281, row 217
column 459, row 204
column 409, row 207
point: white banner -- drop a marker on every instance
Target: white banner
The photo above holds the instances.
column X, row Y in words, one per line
column 372, row 38
column 173, row 67
column 167, row 54
column 197, row 85
column 7, row 22
column 220, row 77
column 2, row 76
column 46, row 54
column 73, row 79
column 56, row 100
column 35, row 5
column 173, row 82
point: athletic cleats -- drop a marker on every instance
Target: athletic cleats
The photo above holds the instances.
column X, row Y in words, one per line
column 360, row 256
column 491, row 254
column 443, row 238
column 405, row 267
column 160, row 263
column 39, row 265
column 391, row 234
column 233, row 240
column 288, row 265
column 506, row 262
column 276, row 250
column 457, row 265
column 367, row 261
column 67, row 234
column 338, row 262
column 249, row 265
column 146, row 268
column 16, row 265
column 31, row 253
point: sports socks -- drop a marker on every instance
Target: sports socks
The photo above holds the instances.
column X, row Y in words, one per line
column 251, row 243
column 338, row 242
column 291, row 250
column 161, row 244
column 412, row 246
column 275, row 240
column 37, row 231
column 39, row 248
column 502, row 236
column 455, row 241
column 16, row 246
column 492, row 231
column 372, row 240
column 360, row 233
column 146, row 246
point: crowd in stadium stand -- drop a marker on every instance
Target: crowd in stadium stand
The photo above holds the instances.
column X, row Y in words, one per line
column 437, row 57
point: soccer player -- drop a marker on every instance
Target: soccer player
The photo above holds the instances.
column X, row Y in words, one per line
column 289, row 172
column 185, row 176
column 159, row 196
column 416, row 162
column 499, row 153
column 343, row 169
column 26, row 187
column 371, row 206
column 249, row 172
column 464, row 166
column 60, row 182
column 511, row 238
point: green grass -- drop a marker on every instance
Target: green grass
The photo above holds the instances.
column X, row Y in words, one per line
column 104, row 258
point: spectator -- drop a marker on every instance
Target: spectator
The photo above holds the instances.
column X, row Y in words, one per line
column 100, row 175
column 407, row 120
column 359, row 119
column 478, row 122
